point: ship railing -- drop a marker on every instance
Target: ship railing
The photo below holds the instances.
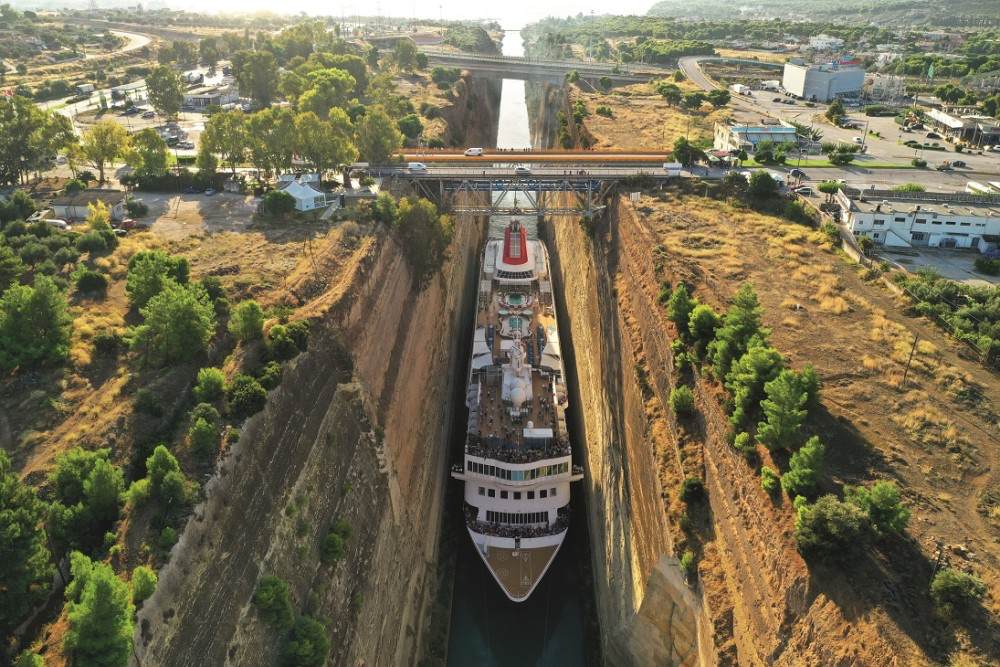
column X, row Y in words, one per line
column 518, row 454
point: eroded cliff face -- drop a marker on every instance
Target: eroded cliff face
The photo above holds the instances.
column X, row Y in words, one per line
column 357, row 432
column 646, row 612
column 474, row 113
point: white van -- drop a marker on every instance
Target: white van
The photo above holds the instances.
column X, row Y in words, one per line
column 417, row 166
column 57, row 223
column 473, row 152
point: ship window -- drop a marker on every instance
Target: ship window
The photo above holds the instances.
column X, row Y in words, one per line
column 543, row 494
column 531, row 495
column 517, row 475
column 492, row 493
column 517, row 495
column 482, row 491
column 503, row 494
column 552, row 492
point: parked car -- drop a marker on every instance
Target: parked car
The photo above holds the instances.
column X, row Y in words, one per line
column 209, row 192
column 932, row 135
column 805, row 191
column 186, row 145
column 959, row 163
column 120, row 232
column 777, row 99
column 944, row 167
column 859, row 140
column 473, row 152
column 797, row 173
column 149, row 114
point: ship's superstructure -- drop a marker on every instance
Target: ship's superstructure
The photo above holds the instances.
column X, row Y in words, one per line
column 518, row 465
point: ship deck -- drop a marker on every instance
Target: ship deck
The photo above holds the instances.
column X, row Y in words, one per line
column 518, row 570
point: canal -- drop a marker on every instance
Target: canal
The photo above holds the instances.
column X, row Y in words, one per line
column 556, row 626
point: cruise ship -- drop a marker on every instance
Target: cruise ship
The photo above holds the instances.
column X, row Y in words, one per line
column 517, row 465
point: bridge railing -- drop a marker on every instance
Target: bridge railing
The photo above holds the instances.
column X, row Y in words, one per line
column 567, row 64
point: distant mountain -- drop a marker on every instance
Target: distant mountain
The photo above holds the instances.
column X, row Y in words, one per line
column 898, row 12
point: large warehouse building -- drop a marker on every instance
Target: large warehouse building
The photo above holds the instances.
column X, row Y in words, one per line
column 822, row 83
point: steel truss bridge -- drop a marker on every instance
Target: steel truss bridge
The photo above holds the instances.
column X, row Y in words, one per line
column 501, row 190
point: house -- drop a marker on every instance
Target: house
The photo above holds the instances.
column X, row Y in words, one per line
column 823, row 42
column 974, row 128
column 746, row 137
column 74, row 207
column 922, row 219
column 351, row 197
column 307, row 196
column 824, row 82
column 206, row 96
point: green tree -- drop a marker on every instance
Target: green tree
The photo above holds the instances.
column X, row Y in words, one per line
column 34, row 324
column 209, row 52
column 954, row 591
column 102, row 492
column 762, row 186
column 226, row 134
column 147, row 154
column 829, row 529
column 841, row 158
column 29, row 659
column 204, row 437
column 719, row 97
column 377, row 136
column 165, row 90
column 424, row 234
column 274, row 602
column 693, row 101
column 670, row 92
column 324, row 143
column 882, row 504
column 179, row 322
column 11, row 267
column 685, row 152
column 410, row 126
column 149, row 271
column 702, row 324
column 679, row 308
column 681, row 401
column 210, row 385
column 328, row 88
column 256, row 73
column 835, row 111
column 99, row 611
column 25, row 567
column 309, row 644
column 760, row 364
column 804, row 469
column 405, row 54
column 247, row 321
column 740, row 324
column 784, row 412
column 829, row 188
column 104, row 143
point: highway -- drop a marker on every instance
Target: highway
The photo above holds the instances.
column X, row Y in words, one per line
column 539, row 157
column 506, row 173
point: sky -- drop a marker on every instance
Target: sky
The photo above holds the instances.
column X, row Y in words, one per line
column 510, row 13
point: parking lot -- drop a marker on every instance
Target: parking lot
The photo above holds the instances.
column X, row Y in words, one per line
column 955, row 265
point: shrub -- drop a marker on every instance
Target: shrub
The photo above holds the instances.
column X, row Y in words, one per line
column 883, row 506
column 246, row 396
column 73, row 186
column 136, row 209
column 990, row 267
column 681, row 401
column 308, row 645
column 798, row 212
column 918, row 163
column 804, row 468
column 277, row 203
column 167, row 539
column 954, row 592
column 108, row 341
column 274, row 602
column 688, row 565
column 744, row 443
column 829, row 529
column 603, row 110
column 204, row 437
column 143, row 583
column 92, row 242
column 139, row 492
column 270, row 375
column 769, row 480
column 280, row 343
column 332, row 549
column 147, row 402
column 88, row 281
column 210, row 385
column 247, row 321
column 692, row 489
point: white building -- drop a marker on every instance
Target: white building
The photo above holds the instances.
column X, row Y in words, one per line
column 308, row 197
column 822, row 83
column 206, row 96
column 746, row 137
column 76, row 206
column 825, row 43
column 932, row 219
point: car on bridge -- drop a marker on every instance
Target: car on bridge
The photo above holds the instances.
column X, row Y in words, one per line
column 417, row 167
column 521, row 170
column 473, row 152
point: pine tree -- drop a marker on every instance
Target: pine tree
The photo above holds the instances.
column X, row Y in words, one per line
column 679, row 308
column 784, row 412
column 740, row 324
column 25, row 570
column 100, row 615
column 804, row 469
column 759, row 365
